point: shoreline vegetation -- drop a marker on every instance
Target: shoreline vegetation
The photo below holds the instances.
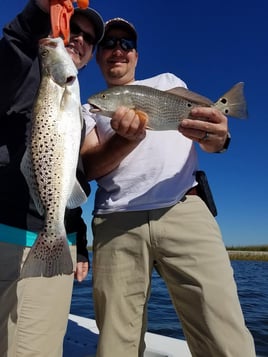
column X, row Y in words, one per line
column 258, row 252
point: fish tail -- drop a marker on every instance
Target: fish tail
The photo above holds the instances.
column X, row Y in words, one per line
column 233, row 102
column 48, row 257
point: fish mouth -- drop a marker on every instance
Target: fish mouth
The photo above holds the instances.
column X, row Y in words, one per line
column 94, row 108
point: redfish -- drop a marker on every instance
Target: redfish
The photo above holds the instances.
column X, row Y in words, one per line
column 164, row 110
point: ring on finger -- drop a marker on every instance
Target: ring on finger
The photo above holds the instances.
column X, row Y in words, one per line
column 205, row 137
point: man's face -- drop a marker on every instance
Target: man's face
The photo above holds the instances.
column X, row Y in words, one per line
column 82, row 38
column 117, row 64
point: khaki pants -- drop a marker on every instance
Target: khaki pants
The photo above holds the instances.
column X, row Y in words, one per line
column 184, row 243
column 33, row 311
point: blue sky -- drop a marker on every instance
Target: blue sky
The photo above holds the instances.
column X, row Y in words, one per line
column 210, row 45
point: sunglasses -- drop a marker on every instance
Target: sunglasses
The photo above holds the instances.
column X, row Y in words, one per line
column 109, row 43
column 76, row 30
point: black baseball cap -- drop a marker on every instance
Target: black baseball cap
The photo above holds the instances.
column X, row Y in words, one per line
column 95, row 18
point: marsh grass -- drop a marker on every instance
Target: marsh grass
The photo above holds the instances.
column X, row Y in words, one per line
column 251, row 252
column 250, row 248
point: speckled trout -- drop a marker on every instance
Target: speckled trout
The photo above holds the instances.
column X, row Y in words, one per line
column 50, row 161
column 164, row 110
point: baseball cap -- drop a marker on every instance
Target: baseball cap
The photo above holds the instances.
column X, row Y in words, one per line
column 119, row 22
column 95, row 18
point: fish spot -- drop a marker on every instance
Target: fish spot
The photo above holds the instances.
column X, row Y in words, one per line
column 48, row 249
column 223, row 100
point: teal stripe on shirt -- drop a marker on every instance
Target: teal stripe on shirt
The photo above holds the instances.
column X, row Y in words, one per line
column 14, row 235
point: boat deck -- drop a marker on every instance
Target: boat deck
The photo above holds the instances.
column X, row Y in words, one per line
column 82, row 337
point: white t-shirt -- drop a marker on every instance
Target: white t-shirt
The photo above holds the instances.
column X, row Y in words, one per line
column 156, row 174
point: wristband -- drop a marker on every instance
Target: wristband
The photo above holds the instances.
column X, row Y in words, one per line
column 226, row 144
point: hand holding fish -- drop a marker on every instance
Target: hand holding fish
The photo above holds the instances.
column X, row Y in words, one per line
column 128, row 124
column 210, row 134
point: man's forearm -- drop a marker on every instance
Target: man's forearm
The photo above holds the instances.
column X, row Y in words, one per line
column 104, row 158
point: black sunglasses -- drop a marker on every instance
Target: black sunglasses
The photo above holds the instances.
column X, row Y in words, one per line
column 110, row 43
column 76, row 30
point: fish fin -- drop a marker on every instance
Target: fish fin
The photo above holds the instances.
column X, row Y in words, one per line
column 48, row 257
column 191, row 96
column 233, row 102
column 142, row 116
column 77, row 197
column 28, row 173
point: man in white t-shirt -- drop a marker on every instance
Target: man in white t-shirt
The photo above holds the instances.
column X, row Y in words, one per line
column 145, row 217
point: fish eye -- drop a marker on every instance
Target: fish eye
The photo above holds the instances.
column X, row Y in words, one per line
column 103, row 96
column 44, row 53
column 223, row 100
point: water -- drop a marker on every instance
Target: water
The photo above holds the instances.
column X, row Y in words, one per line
column 252, row 282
